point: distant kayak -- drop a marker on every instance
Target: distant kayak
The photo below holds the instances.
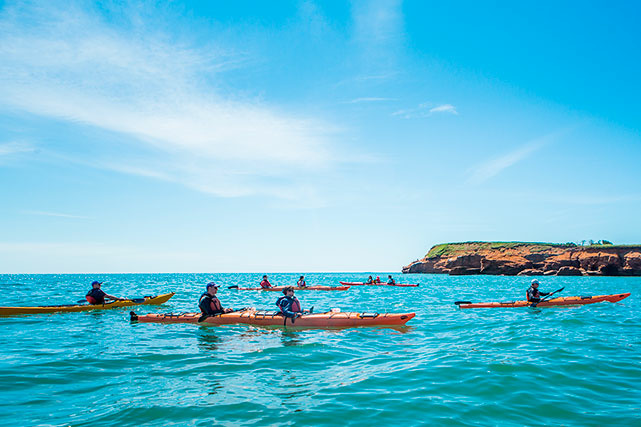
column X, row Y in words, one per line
column 407, row 285
column 158, row 299
column 547, row 303
column 274, row 318
column 296, row 288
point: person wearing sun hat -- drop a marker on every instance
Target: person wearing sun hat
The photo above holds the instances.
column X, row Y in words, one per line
column 209, row 303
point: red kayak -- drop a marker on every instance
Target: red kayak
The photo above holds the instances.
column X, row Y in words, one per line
column 296, row 288
column 546, row 303
column 406, row 285
column 251, row 316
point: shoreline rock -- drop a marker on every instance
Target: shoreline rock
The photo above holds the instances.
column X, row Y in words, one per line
column 529, row 259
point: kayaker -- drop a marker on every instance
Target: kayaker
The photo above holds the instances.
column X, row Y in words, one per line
column 369, row 281
column 378, row 279
column 289, row 304
column 390, row 280
column 265, row 283
column 301, row 282
column 533, row 293
column 209, row 303
column 97, row 295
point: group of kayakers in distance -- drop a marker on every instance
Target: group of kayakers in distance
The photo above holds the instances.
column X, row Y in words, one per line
column 371, row 281
column 265, row 282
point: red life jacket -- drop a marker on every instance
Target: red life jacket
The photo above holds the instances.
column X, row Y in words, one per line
column 265, row 284
column 90, row 299
column 215, row 304
column 296, row 306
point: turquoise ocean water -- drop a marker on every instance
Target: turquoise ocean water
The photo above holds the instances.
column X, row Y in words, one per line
column 515, row 366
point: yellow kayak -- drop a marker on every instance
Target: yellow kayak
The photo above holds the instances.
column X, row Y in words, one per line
column 157, row 299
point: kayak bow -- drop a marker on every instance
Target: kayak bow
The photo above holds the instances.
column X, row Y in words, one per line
column 580, row 300
column 275, row 318
column 9, row 311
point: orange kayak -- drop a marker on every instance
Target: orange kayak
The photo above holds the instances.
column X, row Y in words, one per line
column 252, row 316
column 407, row 285
column 296, row 288
column 547, row 303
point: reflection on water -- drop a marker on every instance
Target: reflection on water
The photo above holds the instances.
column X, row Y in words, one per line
column 207, row 340
column 290, row 338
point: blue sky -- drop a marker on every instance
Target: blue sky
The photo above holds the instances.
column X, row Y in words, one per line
column 311, row 136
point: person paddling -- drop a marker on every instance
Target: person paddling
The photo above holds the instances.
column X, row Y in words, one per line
column 209, row 303
column 390, row 280
column 370, row 281
column 97, row 295
column 265, row 283
column 301, row 282
column 533, row 293
column 378, row 280
column 289, row 305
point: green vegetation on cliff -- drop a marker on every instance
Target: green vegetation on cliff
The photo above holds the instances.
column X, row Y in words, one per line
column 453, row 249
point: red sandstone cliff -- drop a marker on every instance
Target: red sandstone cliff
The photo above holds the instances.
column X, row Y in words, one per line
column 529, row 259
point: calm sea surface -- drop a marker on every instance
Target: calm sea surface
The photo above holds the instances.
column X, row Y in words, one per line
column 513, row 366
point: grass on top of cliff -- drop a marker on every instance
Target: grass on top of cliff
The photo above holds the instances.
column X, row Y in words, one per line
column 449, row 249
column 462, row 248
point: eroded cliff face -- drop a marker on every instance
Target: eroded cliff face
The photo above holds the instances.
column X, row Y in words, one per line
column 529, row 259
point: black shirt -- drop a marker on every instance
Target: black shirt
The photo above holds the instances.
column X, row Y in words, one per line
column 98, row 295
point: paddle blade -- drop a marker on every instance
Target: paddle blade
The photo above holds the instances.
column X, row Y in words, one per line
column 232, row 287
column 462, row 302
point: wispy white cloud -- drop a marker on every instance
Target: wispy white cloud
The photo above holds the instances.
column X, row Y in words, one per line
column 366, row 99
column 378, row 21
column 74, row 66
column 15, row 147
column 378, row 35
column 445, row 108
column 55, row 214
column 493, row 167
column 425, row 110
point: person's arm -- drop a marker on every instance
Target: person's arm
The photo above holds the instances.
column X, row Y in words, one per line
column 112, row 297
column 285, row 307
column 544, row 293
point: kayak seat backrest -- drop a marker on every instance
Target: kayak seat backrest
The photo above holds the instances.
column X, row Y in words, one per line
column 368, row 315
column 586, row 297
column 265, row 313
